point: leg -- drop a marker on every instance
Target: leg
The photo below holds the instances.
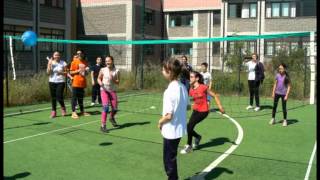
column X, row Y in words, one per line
column 105, row 107
column 251, row 91
column 275, row 104
column 80, row 99
column 195, row 118
column 256, row 93
column 284, row 107
column 74, row 99
column 170, row 148
column 114, row 103
column 60, row 89
column 53, row 90
column 93, row 94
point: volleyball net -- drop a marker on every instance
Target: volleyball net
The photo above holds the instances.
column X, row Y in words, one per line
column 140, row 61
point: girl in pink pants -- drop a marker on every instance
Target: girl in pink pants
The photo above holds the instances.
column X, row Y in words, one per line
column 108, row 78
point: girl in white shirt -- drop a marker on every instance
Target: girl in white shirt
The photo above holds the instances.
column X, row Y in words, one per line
column 56, row 70
column 173, row 121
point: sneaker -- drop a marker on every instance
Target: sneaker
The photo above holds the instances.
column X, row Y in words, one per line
column 104, row 129
column 92, row 104
column 53, row 114
column 85, row 114
column 63, row 112
column 74, row 115
column 249, row 107
column 196, row 142
column 113, row 122
column 257, row 108
column 187, row 149
column 284, row 123
column 272, row 121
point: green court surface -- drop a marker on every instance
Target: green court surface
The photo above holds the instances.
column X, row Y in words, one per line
column 37, row 147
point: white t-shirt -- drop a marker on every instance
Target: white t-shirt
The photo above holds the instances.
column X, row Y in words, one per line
column 175, row 101
column 251, row 73
column 57, row 67
column 206, row 77
column 108, row 84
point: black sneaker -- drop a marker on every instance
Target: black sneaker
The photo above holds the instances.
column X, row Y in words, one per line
column 196, row 142
column 113, row 122
column 104, row 129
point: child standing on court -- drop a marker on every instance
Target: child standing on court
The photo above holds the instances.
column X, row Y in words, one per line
column 206, row 79
column 56, row 69
column 108, row 78
column 95, row 86
column 199, row 92
column 173, row 121
column 78, row 70
column 281, row 89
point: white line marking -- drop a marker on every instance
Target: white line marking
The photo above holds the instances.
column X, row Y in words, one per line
column 88, row 102
column 13, row 140
column 215, row 163
column 310, row 161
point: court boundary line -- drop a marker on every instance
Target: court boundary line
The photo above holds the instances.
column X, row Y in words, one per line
column 47, row 108
column 216, row 162
column 310, row 162
column 70, row 127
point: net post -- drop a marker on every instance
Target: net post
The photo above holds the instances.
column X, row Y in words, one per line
column 312, row 68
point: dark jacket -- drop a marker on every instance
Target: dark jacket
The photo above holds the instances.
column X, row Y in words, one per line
column 259, row 71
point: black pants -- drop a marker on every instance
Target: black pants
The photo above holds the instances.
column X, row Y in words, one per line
column 77, row 95
column 254, row 91
column 170, row 149
column 196, row 117
column 56, row 91
column 275, row 104
column 96, row 93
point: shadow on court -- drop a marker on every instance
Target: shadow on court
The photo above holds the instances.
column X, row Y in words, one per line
column 34, row 124
column 126, row 125
column 263, row 107
column 105, row 144
column 17, row 176
column 290, row 121
column 215, row 142
column 214, row 174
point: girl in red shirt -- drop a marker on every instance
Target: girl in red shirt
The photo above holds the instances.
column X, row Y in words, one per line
column 198, row 91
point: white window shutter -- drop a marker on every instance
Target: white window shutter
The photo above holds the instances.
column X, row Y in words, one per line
column 245, row 11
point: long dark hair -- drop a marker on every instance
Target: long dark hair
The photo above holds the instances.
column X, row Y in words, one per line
column 287, row 77
column 198, row 75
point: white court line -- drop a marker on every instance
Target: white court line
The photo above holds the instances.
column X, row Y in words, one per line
column 88, row 102
column 310, row 161
column 215, row 163
column 40, row 134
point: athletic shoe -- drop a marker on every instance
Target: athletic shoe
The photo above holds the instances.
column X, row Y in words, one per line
column 74, row 115
column 273, row 121
column 113, row 122
column 187, row 149
column 53, row 114
column 104, row 129
column 249, row 107
column 257, row 108
column 92, row 104
column 196, row 142
column 63, row 111
column 85, row 114
column 284, row 123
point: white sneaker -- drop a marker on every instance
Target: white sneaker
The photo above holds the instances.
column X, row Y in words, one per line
column 284, row 123
column 257, row 108
column 186, row 149
column 273, row 121
column 249, row 107
column 92, row 104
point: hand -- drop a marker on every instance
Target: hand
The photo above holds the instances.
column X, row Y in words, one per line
column 93, row 83
column 222, row 111
column 272, row 95
column 87, row 68
column 286, row 97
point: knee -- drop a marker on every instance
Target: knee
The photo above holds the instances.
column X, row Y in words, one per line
column 105, row 108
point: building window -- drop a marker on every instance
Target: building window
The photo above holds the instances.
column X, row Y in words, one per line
column 51, row 34
column 216, row 18
column 149, row 50
column 269, row 48
column 253, row 10
column 281, row 9
column 215, row 48
column 234, row 10
column 52, row 3
column 181, row 49
column 181, row 19
column 14, row 30
column 149, row 17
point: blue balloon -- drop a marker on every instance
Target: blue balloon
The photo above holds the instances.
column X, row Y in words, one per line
column 29, row 38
